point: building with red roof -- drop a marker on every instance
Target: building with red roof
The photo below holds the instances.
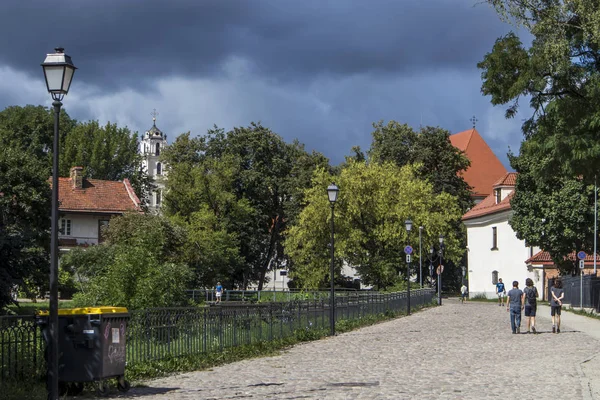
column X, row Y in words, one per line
column 87, row 205
column 485, row 167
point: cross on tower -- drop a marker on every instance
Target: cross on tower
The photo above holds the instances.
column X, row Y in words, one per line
column 474, row 121
column 154, row 113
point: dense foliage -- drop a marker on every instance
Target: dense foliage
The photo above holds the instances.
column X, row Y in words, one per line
column 559, row 73
column 374, row 202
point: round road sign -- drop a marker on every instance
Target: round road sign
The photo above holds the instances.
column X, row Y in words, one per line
column 408, row 250
column 440, row 269
column 581, row 255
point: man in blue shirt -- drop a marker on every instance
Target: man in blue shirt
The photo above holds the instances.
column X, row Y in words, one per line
column 501, row 292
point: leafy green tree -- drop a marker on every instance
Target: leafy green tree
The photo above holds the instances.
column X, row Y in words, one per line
column 141, row 266
column 24, row 223
column 560, row 75
column 251, row 180
column 375, row 200
column 438, row 160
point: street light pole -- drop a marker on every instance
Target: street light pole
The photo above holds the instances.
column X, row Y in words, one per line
column 58, row 72
column 332, row 192
column 408, row 226
column 420, row 257
column 440, row 270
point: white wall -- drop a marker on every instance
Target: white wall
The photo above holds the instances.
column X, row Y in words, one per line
column 508, row 260
column 84, row 228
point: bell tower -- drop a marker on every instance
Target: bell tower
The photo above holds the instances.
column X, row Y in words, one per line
column 151, row 146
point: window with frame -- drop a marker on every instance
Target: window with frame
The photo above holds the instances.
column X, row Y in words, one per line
column 157, row 149
column 158, row 169
column 65, row 227
column 494, row 277
column 494, row 238
column 498, row 193
column 157, row 198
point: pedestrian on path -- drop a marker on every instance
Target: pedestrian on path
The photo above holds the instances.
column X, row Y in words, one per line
column 501, row 292
column 558, row 294
column 531, row 295
column 516, row 299
column 218, row 292
column 463, row 293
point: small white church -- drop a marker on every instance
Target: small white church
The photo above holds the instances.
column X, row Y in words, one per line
column 151, row 144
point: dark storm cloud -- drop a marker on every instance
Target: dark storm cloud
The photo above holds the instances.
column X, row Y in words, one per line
column 118, row 42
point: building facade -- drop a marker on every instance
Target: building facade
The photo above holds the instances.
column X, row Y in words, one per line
column 87, row 205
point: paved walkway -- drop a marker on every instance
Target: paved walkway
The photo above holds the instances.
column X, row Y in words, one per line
column 457, row 351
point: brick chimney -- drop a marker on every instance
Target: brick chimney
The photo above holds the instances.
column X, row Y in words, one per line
column 77, row 177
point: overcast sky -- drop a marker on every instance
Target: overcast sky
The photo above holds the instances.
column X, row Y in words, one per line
column 321, row 71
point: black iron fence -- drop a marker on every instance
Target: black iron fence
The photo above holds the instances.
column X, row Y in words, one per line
column 574, row 296
column 156, row 334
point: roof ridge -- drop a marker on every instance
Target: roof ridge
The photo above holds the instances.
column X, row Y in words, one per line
column 131, row 192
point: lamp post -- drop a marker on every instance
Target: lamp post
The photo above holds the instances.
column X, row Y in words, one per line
column 431, row 250
column 408, row 226
column 58, row 72
column 464, row 272
column 440, row 270
column 420, row 257
column 332, row 192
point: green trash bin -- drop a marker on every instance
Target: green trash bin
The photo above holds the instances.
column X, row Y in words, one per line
column 91, row 345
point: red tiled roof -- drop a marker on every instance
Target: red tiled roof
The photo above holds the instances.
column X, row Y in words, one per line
column 97, row 196
column 489, row 206
column 510, row 179
column 543, row 257
column 485, row 167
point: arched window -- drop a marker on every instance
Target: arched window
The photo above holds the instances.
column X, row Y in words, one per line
column 158, row 169
column 157, row 149
column 158, row 198
column 494, row 277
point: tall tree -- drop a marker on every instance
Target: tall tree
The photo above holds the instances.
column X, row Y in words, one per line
column 560, row 75
column 24, row 223
column 438, row 160
column 251, row 180
column 374, row 202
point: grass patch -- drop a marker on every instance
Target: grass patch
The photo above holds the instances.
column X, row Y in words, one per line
column 583, row 313
column 34, row 390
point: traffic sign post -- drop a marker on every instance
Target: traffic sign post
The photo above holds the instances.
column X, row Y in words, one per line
column 408, row 250
column 581, row 256
column 408, row 258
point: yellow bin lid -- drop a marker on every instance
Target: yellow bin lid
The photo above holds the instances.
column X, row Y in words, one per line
column 87, row 310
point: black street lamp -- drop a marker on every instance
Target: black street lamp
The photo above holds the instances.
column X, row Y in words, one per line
column 332, row 192
column 440, row 270
column 58, row 72
column 408, row 225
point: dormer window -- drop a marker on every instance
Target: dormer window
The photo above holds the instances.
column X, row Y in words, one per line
column 498, row 193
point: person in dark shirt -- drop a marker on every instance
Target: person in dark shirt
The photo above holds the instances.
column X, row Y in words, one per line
column 530, row 293
column 558, row 294
column 515, row 304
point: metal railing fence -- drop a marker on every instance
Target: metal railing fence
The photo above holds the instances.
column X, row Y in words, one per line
column 161, row 333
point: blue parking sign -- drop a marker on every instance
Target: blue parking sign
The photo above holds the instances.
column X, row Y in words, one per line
column 408, row 250
column 581, row 255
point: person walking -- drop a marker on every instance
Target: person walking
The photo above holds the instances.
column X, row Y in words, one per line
column 501, row 292
column 218, row 292
column 531, row 294
column 558, row 294
column 463, row 293
column 515, row 305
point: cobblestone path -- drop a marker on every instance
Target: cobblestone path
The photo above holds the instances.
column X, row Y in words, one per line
column 457, row 351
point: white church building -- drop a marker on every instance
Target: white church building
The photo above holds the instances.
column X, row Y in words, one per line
column 151, row 144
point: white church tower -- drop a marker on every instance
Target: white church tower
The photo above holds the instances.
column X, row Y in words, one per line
column 151, row 145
